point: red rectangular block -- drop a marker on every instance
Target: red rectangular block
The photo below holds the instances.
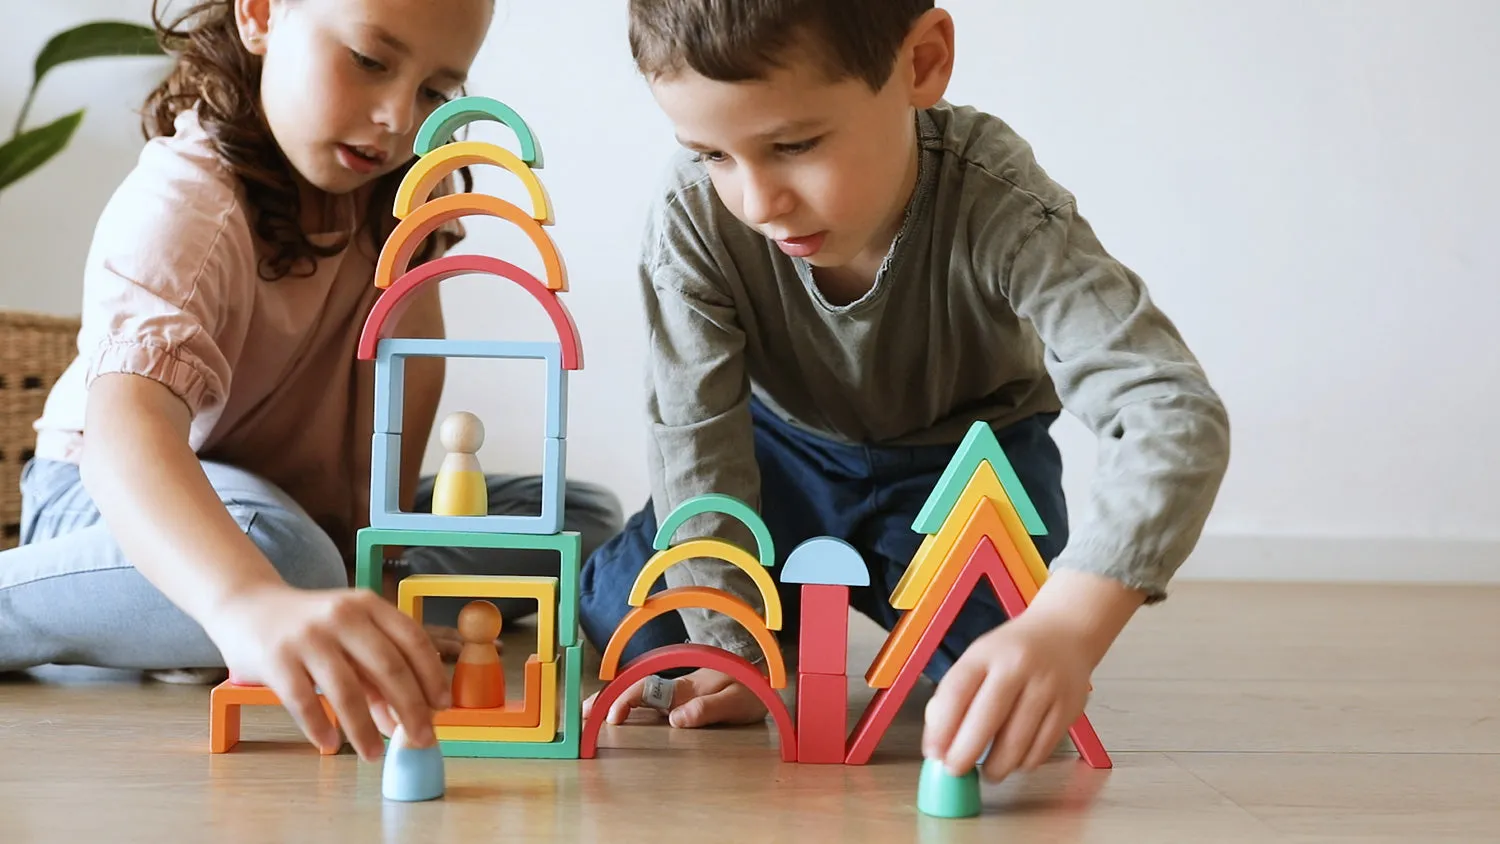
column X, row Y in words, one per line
column 822, row 718
column 823, row 638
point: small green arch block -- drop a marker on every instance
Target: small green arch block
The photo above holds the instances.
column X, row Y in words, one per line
column 453, row 115
column 728, row 505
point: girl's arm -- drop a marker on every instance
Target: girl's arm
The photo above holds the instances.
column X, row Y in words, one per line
column 359, row 651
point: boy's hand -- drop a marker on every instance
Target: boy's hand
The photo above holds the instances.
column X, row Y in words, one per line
column 1019, row 686
column 699, row 699
column 370, row 660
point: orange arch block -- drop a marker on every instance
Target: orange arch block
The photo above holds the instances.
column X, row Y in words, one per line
column 686, row 597
column 410, row 232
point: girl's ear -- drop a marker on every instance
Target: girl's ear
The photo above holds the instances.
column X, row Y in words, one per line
column 253, row 18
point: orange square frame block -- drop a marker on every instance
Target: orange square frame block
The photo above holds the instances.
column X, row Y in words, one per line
column 526, row 712
column 224, row 704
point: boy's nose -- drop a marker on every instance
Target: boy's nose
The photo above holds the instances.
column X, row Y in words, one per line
column 763, row 201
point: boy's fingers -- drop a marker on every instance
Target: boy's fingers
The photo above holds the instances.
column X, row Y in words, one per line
column 620, row 709
column 1014, row 738
column 733, row 705
column 990, row 708
column 945, row 710
column 1047, row 737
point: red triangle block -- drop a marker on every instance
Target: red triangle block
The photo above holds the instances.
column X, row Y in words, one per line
column 984, row 561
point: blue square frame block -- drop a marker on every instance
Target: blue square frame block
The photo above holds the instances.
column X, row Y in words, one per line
column 390, row 375
column 385, row 503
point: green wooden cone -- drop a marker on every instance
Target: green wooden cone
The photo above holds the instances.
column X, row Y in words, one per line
column 943, row 795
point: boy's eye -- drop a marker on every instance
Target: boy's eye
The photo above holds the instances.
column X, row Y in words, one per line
column 365, row 61
column 799, row 147
column 712, row 157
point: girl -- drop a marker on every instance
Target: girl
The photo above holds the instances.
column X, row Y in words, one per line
column 202, row 467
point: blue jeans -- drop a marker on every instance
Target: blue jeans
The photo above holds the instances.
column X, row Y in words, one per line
column 69, row 596
column 868, row 496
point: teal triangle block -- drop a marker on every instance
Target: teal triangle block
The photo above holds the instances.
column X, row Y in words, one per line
column 978, row 445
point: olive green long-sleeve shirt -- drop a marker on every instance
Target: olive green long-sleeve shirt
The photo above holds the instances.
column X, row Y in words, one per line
column 996, row 302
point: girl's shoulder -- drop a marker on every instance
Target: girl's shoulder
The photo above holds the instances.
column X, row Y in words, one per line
column 178, row 215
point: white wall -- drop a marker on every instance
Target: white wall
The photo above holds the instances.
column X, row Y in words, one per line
column 1309, row 189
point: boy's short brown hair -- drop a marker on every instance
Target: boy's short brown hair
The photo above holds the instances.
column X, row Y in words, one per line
column 741, row 40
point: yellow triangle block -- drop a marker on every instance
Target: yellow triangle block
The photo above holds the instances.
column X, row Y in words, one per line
column 984, row 483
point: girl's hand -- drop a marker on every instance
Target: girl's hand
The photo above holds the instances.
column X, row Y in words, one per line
column 368, row 658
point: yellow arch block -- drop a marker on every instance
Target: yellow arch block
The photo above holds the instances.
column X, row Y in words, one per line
column 686, row 597
column 395, row 258
column 716, row 549
column 432, row 168
column 984, row 483
column 414, row 588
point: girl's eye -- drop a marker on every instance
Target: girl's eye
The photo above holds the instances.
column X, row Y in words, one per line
column 365, row 61
column 436, row 95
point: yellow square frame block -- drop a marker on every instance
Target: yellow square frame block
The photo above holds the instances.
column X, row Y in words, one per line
column 984, row 483
column 544, row 731
column 413, row 589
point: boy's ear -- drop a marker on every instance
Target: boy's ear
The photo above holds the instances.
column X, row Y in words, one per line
column 253, row 19
column 928, row 55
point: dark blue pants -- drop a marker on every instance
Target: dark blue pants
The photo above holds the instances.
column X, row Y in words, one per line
column 868, row 496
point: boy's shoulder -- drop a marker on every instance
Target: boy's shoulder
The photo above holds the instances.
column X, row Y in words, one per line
column 988, row 157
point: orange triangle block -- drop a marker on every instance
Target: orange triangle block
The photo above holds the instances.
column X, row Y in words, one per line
column 984, row 522
column 983, row 484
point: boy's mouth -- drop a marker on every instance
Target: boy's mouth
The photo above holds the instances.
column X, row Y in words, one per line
column 802, row 247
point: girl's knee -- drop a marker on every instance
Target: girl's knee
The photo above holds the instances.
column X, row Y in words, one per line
column 302, row 553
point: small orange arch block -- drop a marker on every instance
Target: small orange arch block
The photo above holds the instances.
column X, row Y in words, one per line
column 396, row 257
column 686, row 597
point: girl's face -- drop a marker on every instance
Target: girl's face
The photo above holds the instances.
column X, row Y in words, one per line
column 346, row 84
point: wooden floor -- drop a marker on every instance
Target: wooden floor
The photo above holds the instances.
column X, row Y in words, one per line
column 1233, row 713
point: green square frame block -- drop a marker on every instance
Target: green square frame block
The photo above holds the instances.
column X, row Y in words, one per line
column 369, row 561
column 978, row 446
column 565, row 746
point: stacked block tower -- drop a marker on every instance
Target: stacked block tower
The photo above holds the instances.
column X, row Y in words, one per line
column 542, row 721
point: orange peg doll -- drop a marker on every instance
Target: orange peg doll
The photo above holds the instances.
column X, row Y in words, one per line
column 479, row 676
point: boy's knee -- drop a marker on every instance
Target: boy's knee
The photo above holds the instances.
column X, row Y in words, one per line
column 302, row 553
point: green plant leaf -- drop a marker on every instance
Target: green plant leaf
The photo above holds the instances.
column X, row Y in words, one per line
column 33, row 148
column 88, row 41
column 95, row 40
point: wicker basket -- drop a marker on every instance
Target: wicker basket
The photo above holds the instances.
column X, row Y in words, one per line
column 34, row 351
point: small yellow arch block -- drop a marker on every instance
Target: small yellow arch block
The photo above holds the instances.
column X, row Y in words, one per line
column 689, row 597
column 395, row 258
column 432, row 168
column 717, row 549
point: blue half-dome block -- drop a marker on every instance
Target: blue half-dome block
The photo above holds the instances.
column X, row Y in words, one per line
column 825, row 560
column 411, row 774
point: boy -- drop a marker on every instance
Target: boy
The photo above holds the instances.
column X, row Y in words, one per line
column 841, row 276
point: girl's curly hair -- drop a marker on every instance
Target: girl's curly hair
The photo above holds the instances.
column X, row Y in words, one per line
column 216, row 76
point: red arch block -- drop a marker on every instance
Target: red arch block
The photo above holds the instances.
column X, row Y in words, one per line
column 388, row 308
column 688, row 656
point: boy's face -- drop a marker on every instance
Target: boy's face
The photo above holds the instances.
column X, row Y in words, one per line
column 824, row 169
column 346, row 84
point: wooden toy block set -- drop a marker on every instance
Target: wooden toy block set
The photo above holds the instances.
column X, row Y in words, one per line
column 978, row 524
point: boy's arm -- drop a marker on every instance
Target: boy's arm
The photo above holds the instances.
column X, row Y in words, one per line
column 1120, row 365
column 698, row 408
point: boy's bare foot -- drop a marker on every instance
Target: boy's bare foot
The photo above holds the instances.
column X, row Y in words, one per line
column 189, row 676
